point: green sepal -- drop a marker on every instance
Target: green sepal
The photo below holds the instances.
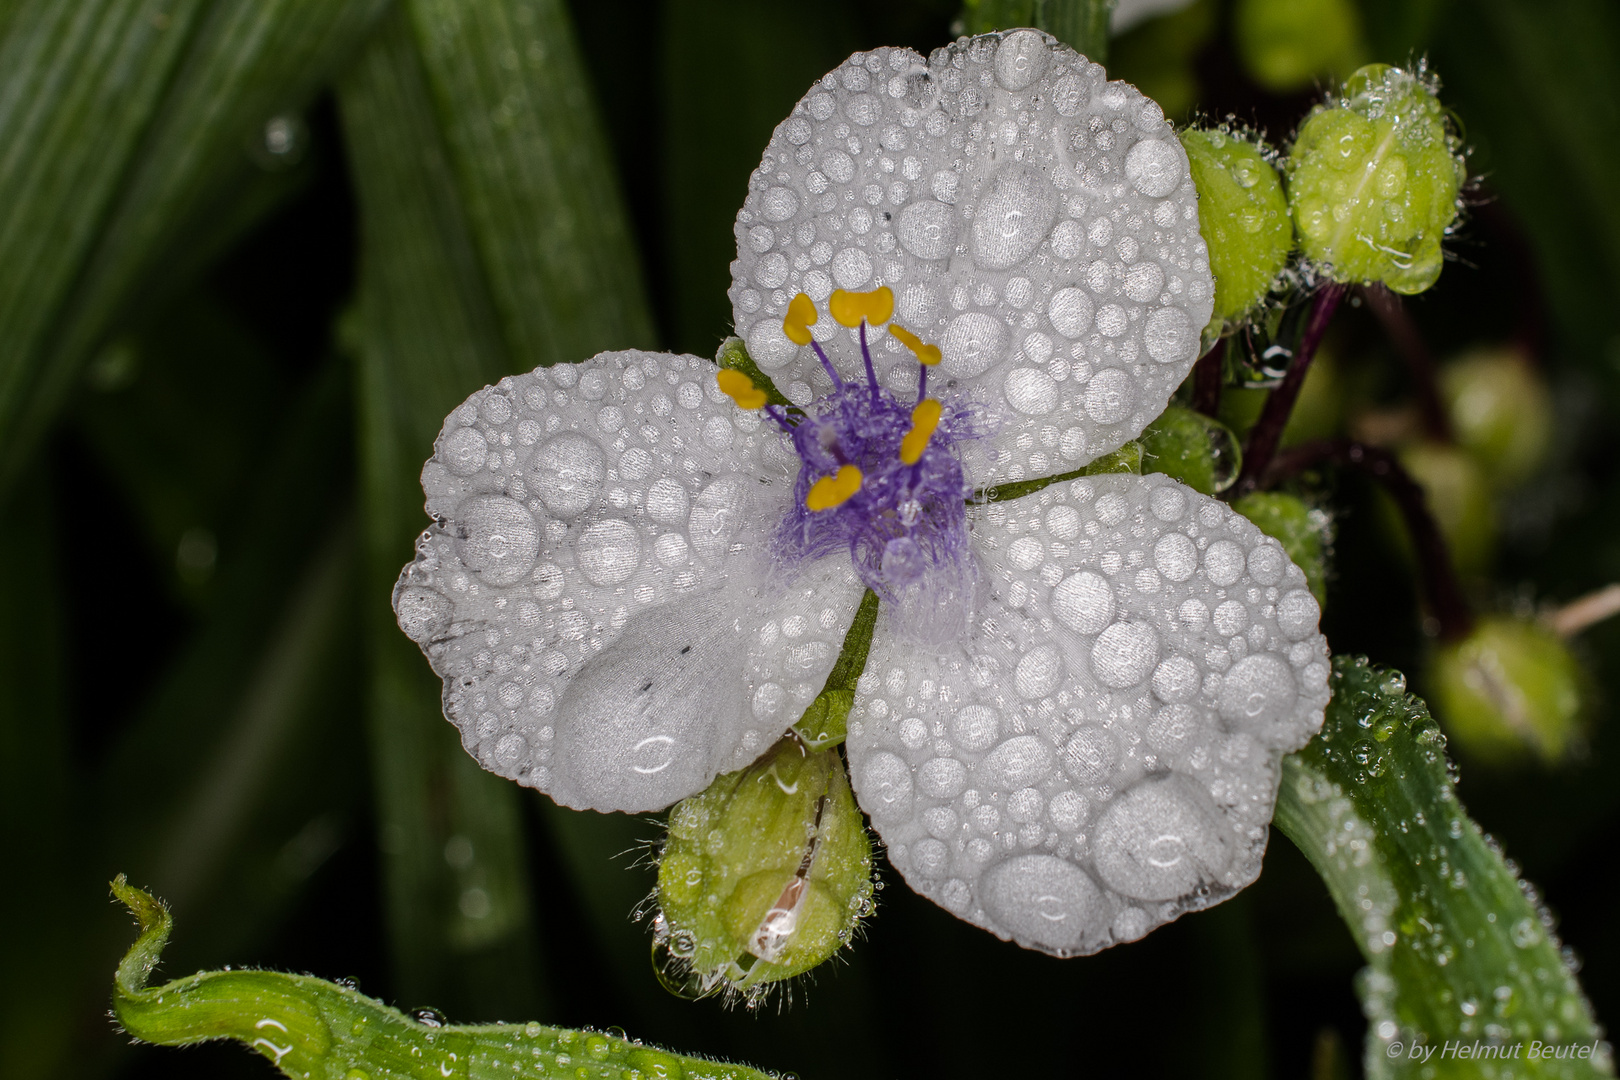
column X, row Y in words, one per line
column 1242, row 215
column 1198, row 450
column 1303, row 531
column 309, row 1028
column 1373, row 179
column 733, row 354
column 823, row 724
column 1510, row 687
column 763, row 876
column 1457, row 947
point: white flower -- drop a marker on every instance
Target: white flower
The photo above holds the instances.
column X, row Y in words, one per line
column 626, row 594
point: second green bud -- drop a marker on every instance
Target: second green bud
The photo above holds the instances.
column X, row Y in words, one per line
column 763, row 876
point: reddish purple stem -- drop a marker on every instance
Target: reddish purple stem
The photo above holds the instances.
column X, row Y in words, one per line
column 1441, row 589
column 1267, row 432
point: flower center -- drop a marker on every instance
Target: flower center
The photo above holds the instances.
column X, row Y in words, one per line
column 879, row 477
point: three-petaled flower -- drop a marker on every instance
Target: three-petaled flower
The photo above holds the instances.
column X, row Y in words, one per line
column 1069, row 724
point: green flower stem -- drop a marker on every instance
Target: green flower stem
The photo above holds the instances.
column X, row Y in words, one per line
column 309, row 1028
column 1458, row 949
column 824, row 723
column 1441, row 589
column 1267, row 431
column 1080, row 24
column 1408, row 341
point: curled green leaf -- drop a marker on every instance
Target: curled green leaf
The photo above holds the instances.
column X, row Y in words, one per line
column 1463, row 967
column 309, row 1028
column 1373, row 180
column 1242, row 215
column 763, row 876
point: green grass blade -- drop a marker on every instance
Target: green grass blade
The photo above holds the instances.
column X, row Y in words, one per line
column 534, row 175
column 309, row 1028
column 1458, row 949
column 245, row 61
column 1080, row 24
column 79, row 84
column 454, row 873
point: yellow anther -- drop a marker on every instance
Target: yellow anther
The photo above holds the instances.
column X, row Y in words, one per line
column 924, row 419
column 741, row 389
column 801, row 315
column 831, row 491
column 927, row 354
column 849, row 308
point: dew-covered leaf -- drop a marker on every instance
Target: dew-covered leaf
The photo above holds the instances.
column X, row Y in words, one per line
column 1459, row 948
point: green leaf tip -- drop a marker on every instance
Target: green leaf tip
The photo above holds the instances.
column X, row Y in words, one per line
column 764, row 875
column 1242, row 215
column 1459, row 951
column 315, row 1030
column 1373, row 179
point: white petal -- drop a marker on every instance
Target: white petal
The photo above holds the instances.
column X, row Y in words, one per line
column 1102, row 754
column 1034, row 220
column 595, row 588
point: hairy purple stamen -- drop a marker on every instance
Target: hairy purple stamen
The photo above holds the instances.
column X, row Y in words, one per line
column 907, row 524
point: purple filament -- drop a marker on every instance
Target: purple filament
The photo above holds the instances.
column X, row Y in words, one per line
column 907, row 522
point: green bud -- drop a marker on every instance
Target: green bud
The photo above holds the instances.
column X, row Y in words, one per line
column 1193, row 448
column 1511, row 685
column 1242, row 215
column 1304, row 532
column 763, row 876
column 1286, row 45
column 1500, row 412
column 1459, row 499
column 1373, row 179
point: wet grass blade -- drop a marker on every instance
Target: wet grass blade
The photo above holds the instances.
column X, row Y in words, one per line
column 533, row 173
column 124, row 122
column 1458, row 948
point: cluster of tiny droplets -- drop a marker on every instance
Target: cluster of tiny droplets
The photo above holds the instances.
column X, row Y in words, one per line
column 908, row 522
column 597, row 591
column 1034, row 219
column 1102, row 755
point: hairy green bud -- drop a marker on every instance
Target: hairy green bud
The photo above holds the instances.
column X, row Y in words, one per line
column 1303, row 532
column 1500, row 411
column 763, row 876
column 1511, row 685
column 1242, row 215
column 1373, row 179
column 1199, row 451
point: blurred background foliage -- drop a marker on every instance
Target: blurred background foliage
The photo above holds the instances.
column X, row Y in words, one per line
column 254, row 250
